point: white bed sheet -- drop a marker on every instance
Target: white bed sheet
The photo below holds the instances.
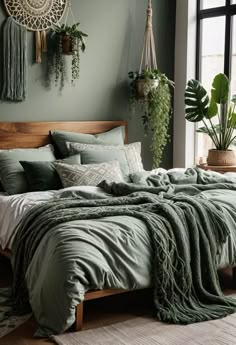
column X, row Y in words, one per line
column 13, row 208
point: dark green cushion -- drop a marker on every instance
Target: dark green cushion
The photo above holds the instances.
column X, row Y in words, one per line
column 12, row 174
column 43, row 176
column 115, row 136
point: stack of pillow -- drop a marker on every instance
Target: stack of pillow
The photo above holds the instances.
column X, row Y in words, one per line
column 85, row 159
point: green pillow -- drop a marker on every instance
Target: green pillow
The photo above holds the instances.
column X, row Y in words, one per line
column 12, row 174
column 43, row 175
column 129, row 156
column 115, row 136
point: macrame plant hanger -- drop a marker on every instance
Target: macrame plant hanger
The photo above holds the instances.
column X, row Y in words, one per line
column 148, row 59
column 69, row 11
column 67, row 40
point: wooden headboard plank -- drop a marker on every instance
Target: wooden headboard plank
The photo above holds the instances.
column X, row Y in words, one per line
column 35, row 134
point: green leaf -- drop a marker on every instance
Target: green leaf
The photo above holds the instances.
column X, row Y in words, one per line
column 220, row 88
column 196, row 101
column 233, row 99
column 83, row 34
column 202, row 130
column 212, row 110
column 233, row 120
column 83, row 47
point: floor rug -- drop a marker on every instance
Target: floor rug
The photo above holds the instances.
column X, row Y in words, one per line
column 8, row 324
column 147, row 331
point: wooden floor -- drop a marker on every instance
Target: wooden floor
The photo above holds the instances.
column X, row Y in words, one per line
column 98, row 313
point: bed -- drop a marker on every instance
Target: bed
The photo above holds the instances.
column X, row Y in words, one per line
column 137, row 276
column 36, row 134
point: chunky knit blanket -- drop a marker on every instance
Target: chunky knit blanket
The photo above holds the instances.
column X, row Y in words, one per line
column 187, row 233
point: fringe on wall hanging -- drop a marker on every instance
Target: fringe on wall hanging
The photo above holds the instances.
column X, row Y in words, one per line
column 14, row 61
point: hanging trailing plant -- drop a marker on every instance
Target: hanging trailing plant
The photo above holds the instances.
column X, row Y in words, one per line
column 69, row 41
column 152, row 89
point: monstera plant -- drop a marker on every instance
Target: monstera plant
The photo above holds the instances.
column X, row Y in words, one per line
column 217, row 113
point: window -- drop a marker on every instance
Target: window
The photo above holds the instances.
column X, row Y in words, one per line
column 216, row 50
column 212, row 3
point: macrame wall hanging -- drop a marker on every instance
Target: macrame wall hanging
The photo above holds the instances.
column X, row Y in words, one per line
column 38, row 16
column 33, row 15
column 148, row 59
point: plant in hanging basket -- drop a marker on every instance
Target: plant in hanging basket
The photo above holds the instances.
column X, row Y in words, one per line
column 68, row 41
column 152, row 89
column 218, row 115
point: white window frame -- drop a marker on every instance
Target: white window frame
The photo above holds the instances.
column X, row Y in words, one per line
column 184, row 140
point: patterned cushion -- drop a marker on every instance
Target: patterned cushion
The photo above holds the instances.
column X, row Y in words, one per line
column 129, row 156
column 88, row 175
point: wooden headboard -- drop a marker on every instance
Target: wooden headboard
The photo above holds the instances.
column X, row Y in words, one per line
column 36, row 134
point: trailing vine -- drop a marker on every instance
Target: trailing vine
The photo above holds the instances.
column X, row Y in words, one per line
column 156, row 103
column 77, row 40
column 58, row 62
column 158, row 118
column 75, row 66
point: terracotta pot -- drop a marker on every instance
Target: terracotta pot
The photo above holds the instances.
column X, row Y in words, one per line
column 221, row 158
column 139, row 85
column 66, row 45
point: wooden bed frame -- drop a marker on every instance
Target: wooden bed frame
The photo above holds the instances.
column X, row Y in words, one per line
column 36, row 134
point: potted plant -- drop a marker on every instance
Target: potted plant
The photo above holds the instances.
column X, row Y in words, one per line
column 68, row 41
column 153, row 89
column 218, row 115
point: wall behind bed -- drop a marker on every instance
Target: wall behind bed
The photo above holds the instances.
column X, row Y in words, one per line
column 115, row 29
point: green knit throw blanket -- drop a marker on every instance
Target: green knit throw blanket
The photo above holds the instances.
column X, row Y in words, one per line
column 187, row 234
column 14, row 61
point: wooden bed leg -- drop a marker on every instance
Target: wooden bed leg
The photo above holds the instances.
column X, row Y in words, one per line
column 79, row 317
column 234, row 277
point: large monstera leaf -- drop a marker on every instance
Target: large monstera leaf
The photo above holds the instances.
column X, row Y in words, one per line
column 196, row 101
column 220, row 88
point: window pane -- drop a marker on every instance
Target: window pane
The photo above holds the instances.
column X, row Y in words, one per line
column 233, row 74
column 233, row 2
column 212, row 63
column 213, row 45
column 212, row 3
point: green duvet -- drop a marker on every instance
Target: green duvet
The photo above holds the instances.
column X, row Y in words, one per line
column 171, row 236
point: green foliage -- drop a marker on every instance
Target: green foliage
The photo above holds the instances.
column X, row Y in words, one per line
column 196, row 100
column 200, row 108
column 157, row 108
column 78, row 43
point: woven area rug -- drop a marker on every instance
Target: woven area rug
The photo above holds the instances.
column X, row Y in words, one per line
column 147, row 331
column 8, row 324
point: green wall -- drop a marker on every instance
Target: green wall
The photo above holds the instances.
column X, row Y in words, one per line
column 115, row 29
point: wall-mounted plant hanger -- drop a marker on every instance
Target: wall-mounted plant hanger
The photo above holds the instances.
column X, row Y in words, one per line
column 69, row 40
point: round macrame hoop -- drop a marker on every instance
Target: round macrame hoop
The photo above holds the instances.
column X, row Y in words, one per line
column 36, row 15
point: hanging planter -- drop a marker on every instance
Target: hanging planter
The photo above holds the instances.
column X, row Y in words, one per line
column 151, row 88
column 67, row 48
column 69, row 40
column 141, row 87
